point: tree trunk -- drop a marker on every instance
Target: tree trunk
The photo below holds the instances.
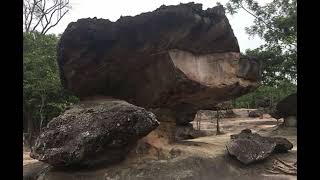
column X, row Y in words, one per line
column 25, row 121
column 198, row 122
column 233, row 103
column 41, row 112
column 218, row 119
column 30, row 129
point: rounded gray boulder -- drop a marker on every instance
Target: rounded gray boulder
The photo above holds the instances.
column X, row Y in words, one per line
column 93, row 132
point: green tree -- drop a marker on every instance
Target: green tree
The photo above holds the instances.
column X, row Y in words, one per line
column 269, row 94
column 276, row 23
column 43, row 95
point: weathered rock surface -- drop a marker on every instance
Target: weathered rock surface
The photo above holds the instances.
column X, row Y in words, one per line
column 179, row 57
column 186, row 168
column 290, row 121
column 202, row 158
column 34, row 170
column 288, row 106
column 92, row 133
column 187, row 132
column 287, row 109
column 182, row 167
column 250, row 147
column 255, row 113
column 229, row 114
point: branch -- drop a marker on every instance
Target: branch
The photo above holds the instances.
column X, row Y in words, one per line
column 268, row 25
column 41, row 5
column 32, row 12
column 52, row 7
column 42, row 24
column 26, row 15
column 56, row 22
column 44, row 30
column 41, row 18
column 44, row 7
column 255, row 16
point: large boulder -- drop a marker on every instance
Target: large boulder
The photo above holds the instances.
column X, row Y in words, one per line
column 178, row 57
column 288, row 106
column 93, row 132
column 250, row 147
column 287, row 109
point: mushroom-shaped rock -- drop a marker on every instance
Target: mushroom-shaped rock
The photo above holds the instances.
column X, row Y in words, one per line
column 181, row 58
column 250, row 147
column 92, row 133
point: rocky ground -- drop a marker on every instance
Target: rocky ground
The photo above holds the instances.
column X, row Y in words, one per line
column 26, row 157
column 201, row 158
column 234, row 125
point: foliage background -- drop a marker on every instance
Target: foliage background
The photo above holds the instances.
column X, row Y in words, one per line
column 276, row 23
column 43, row 95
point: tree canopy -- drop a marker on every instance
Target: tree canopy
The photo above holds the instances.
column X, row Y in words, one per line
column 43, row 95
column 276, row 23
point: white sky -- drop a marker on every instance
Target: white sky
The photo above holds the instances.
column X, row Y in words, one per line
column 113, row 9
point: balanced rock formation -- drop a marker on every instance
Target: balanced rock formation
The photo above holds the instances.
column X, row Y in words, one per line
column 250, row 147
column 287, row 109
column 177, row 58
column 92, row 133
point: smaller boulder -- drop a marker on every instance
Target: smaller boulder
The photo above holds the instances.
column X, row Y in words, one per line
column 250, row 147
column 288, row 106
column 287, row 109
column 229, row 113
column 187, row 132
column 282, row 145
column 290, row 121
column 92, row 133
column 255, row 113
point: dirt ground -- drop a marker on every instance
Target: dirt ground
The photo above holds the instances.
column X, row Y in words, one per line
column 209, row 152
column 26, row 157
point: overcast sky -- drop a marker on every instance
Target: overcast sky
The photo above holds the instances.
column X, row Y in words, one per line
column 113, row 9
